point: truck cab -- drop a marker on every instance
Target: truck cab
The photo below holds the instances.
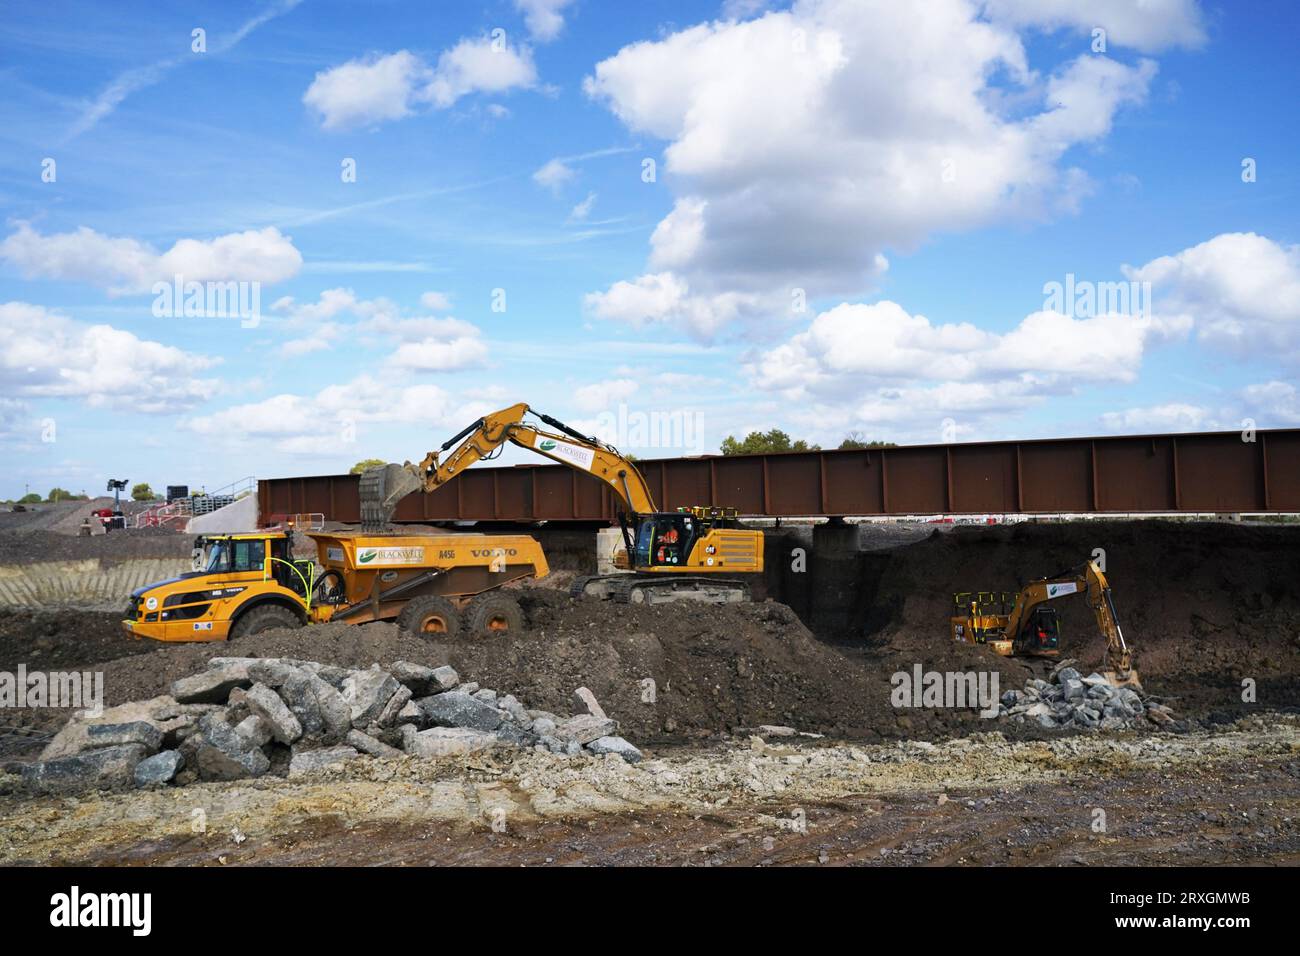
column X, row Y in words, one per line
column 233, row 573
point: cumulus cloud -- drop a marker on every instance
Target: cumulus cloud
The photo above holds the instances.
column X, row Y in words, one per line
column 802, row 148
column 1169, row 417
column 126, row 266
column 424, row 342
column 1241, row 292
column 381, row 88
column 313, row 424
column 48, row 355
column 543, row 18
column 889, row 366
column 603, row 396
column 553, row 174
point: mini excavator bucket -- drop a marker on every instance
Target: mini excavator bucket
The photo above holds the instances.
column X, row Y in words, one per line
column 381, row 489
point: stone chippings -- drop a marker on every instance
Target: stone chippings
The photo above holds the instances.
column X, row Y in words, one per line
column 242, row 718
column 1069, row 700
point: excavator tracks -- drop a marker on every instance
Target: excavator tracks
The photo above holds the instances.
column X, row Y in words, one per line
column 631, row 588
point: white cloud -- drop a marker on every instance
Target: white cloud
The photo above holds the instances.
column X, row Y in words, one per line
column 603, row 396
column 665, row 298
column 889, row 366
column 47, row 355
column 435, row 301
column 1149, row 26
column 380, row 88
column 435, row 343
column 477, row 66
column 802, row 147
column 368, row 90
column 1241, row 291
column 582, row 210
column 126, row 266
column 325, row 423
column 1170, row 417
column 554, row 174
column 543, row 18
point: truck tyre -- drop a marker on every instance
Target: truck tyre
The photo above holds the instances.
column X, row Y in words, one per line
column 493, row 615
column 263, row 618
column 430, row 616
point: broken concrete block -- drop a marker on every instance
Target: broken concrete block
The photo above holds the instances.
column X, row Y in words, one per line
column 457, row 709
column 107, row 768
column 366, row 693
column 255, row 730
column 1072, row 688
column 584, row 728
column 369, row 745
column 512, row 734
column 516, row 710
column 309, row 761
column 159, row 769
column 447, row 741
column 213, row 685
column 140, row 732
column 487, row 695
column 776, row 730
column 585, row 702
column 470, row 688
column 222, row 754
column 543, row 726
column 615, row 745
column 396, row 704
column 268, row 705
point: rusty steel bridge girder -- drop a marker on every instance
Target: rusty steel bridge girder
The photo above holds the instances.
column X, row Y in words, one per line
column 1220, row 472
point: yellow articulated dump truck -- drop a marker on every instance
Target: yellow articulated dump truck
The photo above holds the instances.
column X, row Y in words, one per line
column 432, row 585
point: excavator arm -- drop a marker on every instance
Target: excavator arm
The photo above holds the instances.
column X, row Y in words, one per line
column 1090, row 581
column 383, row 487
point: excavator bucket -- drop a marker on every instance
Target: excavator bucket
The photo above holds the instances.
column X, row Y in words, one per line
column 1128, row 678
column 381, row 489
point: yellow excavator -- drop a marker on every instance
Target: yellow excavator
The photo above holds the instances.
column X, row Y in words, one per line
column 1025, row 624
column 688, row 554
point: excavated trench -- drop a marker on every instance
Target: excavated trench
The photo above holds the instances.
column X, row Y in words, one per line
column 1207, row 605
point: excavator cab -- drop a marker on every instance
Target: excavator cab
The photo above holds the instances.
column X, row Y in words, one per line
column 1041, row 634
column 666, row 539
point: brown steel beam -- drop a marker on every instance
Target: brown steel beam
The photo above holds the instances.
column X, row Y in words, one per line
column 1151, row 473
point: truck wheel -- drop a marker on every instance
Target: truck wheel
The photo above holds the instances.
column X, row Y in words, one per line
column 261, row 619
column 493, row 615
column 430, row 616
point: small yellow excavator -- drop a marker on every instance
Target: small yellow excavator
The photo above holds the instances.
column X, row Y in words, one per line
column 1026, row 625
column 672, row 556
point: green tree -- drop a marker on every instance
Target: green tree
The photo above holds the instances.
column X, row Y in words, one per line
column 365, row 463
column 142, row 492
column 59, row 494
column 760, row 443
column 30, row 499
column 859, row 440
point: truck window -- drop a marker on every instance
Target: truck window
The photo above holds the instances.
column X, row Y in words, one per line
column 249, row 555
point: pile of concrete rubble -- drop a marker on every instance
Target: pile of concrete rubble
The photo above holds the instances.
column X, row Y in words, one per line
column 1069, row 700
column 246, row 717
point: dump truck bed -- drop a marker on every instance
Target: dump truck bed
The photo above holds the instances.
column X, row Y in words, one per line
column 351, row 551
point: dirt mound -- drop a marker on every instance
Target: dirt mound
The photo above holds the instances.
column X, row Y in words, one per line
column 37, row 546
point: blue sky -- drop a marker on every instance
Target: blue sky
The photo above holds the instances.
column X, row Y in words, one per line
column 855, row 213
